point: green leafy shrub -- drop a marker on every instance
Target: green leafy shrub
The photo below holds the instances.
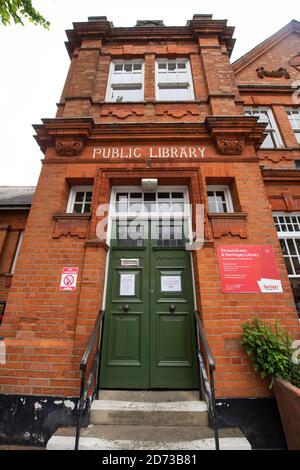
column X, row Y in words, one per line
column 270, row 349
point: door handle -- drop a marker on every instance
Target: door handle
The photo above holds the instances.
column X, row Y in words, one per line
column 172, row 308
column 125, row 308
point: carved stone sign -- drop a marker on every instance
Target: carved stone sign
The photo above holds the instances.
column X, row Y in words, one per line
column 175, row 152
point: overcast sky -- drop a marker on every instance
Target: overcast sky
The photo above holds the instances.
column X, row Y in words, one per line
column 34, row 62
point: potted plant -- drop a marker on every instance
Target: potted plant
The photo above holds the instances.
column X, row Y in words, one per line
column 276, row 356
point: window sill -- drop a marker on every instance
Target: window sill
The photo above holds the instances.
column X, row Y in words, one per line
column 230, row 223
column 69, row 224
column 156, row 101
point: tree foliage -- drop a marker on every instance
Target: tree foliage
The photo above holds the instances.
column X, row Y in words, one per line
column 18, row 10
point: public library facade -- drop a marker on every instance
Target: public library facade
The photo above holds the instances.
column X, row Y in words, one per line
column 153, row 123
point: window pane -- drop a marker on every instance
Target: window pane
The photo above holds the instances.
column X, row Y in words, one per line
column 137, row 66
column 128, row 67
column 164, row 202
column 283, row 247
column 268, row 142
column 79, row 196
column 135, row 202
column 78, row 208
column 177, row 202
column 297, row 241
column 88, row 196
column 296, row 264
column 118, row 67
column 212, row 206
column 222, row 207
column 171, row 67
column 87, row 207
column 135, row 94
column 162, row 66
column 175, row 94
column 291, row 246
column 181, row 66
column 121, row 204
column 130, row 234
column 288, row 266
column 150, row 202
column 220, row 196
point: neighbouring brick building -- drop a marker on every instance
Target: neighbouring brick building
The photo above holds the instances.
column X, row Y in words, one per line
column 164, row 104
column 15, row 203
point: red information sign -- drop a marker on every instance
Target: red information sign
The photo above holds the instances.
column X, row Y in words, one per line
column 68, row 279
column 248, row 269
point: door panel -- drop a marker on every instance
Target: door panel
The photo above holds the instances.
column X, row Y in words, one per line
column 126, row 341
column 126, row 351
column 173, row 341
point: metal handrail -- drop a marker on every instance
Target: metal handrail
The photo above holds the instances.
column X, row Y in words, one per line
column 94, row 373
column 207, row 366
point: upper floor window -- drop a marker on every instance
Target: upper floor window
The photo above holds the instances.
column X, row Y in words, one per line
column 294, row 118
column 126, row 81
column 219, row 199
column 272, row 139
column 80, row 199
column 174, row 80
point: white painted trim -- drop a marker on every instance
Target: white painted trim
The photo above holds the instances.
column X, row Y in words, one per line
column 19, row 244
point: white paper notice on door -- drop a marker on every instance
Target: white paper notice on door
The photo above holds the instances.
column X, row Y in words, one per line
column 170, row 283
column 127, row 284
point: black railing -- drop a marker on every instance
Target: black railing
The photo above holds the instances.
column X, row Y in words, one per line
column 207, row 367
column 93, row 377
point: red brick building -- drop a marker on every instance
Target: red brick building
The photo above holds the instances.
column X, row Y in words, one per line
column 163, row 104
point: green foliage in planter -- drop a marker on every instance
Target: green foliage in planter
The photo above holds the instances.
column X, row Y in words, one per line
column 270, row 349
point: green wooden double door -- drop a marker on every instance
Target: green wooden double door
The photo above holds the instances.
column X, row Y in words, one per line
column 149, row 339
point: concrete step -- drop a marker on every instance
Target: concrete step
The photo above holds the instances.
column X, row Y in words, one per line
column 108, row 437
column 149, row 408
column 149, row 395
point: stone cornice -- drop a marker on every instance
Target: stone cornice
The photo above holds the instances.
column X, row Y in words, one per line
column 280, row 175
column 231, row 133
column 68, row 135
column 103, row 30
column 265, row 88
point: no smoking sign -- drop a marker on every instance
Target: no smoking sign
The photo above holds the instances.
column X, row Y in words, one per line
column 68, row 279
